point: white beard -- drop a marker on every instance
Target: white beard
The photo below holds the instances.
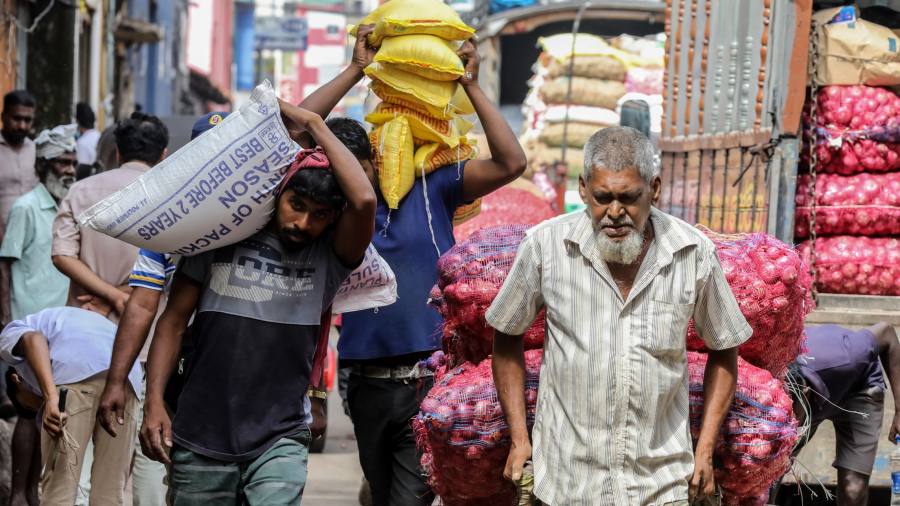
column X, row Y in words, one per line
column 58, row 186
column 625, row 251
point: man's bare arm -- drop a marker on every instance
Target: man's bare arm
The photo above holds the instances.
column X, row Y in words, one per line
column 82, row 275
column 323, row 100
column 719, row 382
column 156, row 432
column 130, row 338
column 509, row 377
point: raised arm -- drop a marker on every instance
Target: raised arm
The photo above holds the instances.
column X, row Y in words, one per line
column 130, row 337
column 156, row 433
column 507, row 160
column 323, row 100
column 889, row 352
column 354, row 227
column 509, row 377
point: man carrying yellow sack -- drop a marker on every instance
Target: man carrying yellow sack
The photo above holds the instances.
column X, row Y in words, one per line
column 384, row 346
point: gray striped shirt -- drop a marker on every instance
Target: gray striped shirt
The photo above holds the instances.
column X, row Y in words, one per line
column 612, row 413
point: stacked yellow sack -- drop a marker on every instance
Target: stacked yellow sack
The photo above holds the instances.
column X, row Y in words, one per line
column 417, row 127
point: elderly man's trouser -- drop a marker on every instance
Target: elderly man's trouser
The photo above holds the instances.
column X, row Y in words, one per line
column 63, row 457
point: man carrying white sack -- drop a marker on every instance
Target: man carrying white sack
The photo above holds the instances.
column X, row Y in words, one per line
column 70, row 347
column 383, row 346
column 620, row 282
column 240, row 430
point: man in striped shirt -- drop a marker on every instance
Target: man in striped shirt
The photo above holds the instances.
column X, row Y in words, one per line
column 620, row 282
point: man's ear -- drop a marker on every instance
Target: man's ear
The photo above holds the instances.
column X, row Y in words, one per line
column 582, row 189
column 657, row 189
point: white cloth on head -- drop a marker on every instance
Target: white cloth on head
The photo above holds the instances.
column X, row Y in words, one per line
column 56, row 141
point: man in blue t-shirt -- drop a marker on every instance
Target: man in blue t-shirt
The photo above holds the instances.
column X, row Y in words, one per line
column 383, row 346
column 240, row 433
column 842, row 381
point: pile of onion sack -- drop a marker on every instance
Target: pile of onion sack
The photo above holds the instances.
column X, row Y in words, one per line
column 506, row 206
column 863, row 204
column 464, row 436
column 857, row 265
column 858, row 129
column 758, row 435
column 471, row 274
column 772, row 287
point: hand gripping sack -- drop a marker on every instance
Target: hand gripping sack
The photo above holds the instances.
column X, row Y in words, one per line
column 424, row 55
column 371, row 285
column 215, row 191
column 408, row 17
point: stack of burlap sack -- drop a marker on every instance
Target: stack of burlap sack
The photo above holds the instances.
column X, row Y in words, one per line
column 603, row 75
column 418, row 127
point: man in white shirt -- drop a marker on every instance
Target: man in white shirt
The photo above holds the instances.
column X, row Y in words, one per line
column 619, row 282
column 71, row 347
column 88, row 136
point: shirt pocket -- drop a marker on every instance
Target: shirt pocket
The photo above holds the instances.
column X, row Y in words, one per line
column 667, row 327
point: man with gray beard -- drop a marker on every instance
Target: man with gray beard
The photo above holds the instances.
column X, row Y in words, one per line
column 619, row 283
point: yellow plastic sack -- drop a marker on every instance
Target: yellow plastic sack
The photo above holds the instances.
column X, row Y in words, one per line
column 424, row 55
column 408, row 17
column 432, row 156
column 422, row 126
column 461, row 103
column 433, row 95
column 392, row 144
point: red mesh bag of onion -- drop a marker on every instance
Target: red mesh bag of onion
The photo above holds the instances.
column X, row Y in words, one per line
column 471, row 274
column 464, row 436
column 758, row 437
column 772, row 286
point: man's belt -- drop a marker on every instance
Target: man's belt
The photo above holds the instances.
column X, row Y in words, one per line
column 399, row 373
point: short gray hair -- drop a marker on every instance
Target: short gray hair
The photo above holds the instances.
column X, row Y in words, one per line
column 619, row 148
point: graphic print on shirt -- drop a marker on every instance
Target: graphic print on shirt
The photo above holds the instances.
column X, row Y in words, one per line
column 256, row 280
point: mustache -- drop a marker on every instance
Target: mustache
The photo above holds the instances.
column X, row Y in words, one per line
column 624, row 220
column 294, row 233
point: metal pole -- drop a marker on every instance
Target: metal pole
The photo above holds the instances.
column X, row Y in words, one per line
column 575, row 27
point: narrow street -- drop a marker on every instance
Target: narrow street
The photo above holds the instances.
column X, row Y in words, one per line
column 335, row 475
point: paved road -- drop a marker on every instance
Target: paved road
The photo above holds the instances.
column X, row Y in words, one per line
column 335, row 475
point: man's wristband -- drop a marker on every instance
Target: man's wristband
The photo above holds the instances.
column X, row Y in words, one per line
column 317, row 394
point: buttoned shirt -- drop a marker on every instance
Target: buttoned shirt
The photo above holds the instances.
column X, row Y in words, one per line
column 111, row 259
column 35, row 283
column 612, row 425
column 17, row 174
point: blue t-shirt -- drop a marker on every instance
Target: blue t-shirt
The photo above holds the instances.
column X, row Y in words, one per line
column 839, row 363
column 404, row 240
